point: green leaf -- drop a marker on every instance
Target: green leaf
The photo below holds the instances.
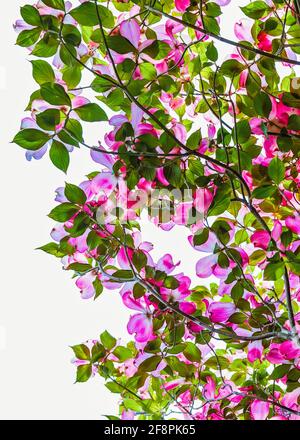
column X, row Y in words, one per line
column 291, row 100
column 123, row 274
column 82, row 352
column 74, row 129
column 211, row 52
column 138, row 291
column 294, row 375
column 49, row 119
column 157, row 50
column 46, row 47
column 295, row 267
column 72, row 76
column 71, row 35
column 192, row 352
column 93, row 240
column 171, row 282
column 148, row 71
column 62, row 213
column 213, row 10
column 28, row 37
column 241, row 236
column 280, row 371
column 80, row 224
column 75, row 194
column 31, row 139
column 122, row 353
column 274, row 271
column 220, row 202
column 102, row 84
column 215, row 363
column 264, row 191
column 212, row 24
column 231, row 68
column 31, row 15
column 108, row 340
column 120, row 44
column 84, row 372
column 132, row 178
column 98, row 352
column 79, row 267
column 196, row 167
column 139, row 260
column 55, row 4
column 201, row 237
column 253, row 84
column 55, row 94
column 174, row 175
column 91, row 113
column 42, row 72
column 238, row 318
column 52, row 249
column 86, row 15
column 276, row 170
column 183, row 369
column 98, row 286
column 150, row 364
column 242, row 131
column 256, row 9
column 262, row 104
column 238, row 378
column 132, row 405
column 194, row 140
column 294, row 122
column 59, row 156
column 257, row 257
column 114, row 387
column 237, row 292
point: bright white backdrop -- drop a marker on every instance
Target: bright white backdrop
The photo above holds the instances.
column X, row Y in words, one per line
column 41, row 312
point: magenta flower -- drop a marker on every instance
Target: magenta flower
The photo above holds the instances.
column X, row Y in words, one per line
column 255, row 351
column 282, row 353
column 130, row 29
column 182, row 5
column 220, row 311
column 264, row 41
column 141, row 323
column 293, row 223
column 259, row 409
column 209, row 389
column 261, row 239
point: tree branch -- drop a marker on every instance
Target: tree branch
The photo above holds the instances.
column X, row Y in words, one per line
column 224, row 40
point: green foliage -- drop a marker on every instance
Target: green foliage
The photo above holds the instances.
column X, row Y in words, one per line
column 31, row 139
column 184, row 118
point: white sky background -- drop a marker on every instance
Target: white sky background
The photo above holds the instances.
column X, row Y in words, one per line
column 41, row 312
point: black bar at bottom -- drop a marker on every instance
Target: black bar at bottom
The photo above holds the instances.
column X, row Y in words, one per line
column 151, row 429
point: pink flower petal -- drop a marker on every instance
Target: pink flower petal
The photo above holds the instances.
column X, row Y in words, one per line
column 130, row 29
column 255, row 350
column 182, row 5
column 220, row 312
column 105, row 182
column 166, row 264
column 259, row 409
column 204, row 267
column 188, row 307
column 293, row 223
column 141, row 325
column 261, row 239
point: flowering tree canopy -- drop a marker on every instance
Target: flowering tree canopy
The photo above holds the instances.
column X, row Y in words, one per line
column 205, row 134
